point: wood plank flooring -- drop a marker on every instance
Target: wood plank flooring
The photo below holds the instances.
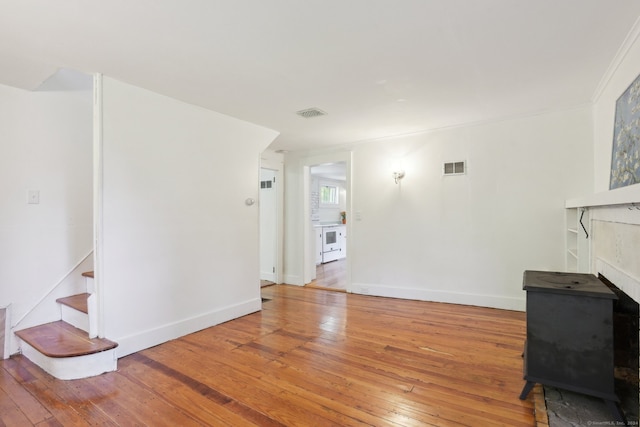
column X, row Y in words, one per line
column 331, row 276
column 309, row 358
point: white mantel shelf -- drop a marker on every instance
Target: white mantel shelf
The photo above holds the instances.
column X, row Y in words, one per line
column 619, row 196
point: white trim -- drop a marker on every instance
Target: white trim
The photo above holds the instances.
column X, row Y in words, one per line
column 99, row 316
column 53, row 288
column 308, row 246
column 307, row 233
column 7, row 332
column 619, row 57
column 480, row 300
column 291, row 279
column 279, row 186
column 92, row 308
column 152, row 337
column 618, row 196
column 628, row 284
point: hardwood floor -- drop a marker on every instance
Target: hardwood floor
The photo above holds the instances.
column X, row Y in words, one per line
column 331, row 276
column 309, row 358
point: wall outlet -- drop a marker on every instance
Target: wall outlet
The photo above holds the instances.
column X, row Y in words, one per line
column 33, row 197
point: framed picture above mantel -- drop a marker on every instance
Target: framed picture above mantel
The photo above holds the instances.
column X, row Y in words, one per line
column 625, row 154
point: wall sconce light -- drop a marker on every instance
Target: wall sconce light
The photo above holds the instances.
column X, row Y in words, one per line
column 397, row 176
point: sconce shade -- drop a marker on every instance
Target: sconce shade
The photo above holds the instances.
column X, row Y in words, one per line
column 397, row 176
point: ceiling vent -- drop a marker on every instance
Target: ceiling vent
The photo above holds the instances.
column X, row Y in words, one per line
column 311, row 112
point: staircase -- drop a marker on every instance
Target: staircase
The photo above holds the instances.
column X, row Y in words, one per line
column 69, row 348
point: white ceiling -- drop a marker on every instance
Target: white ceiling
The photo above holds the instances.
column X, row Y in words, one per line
column 377, row 67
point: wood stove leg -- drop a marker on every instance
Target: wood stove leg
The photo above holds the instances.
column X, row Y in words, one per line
column 615, row 411
column 526, row 389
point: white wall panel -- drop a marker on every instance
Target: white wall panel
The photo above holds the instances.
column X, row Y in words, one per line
column 180, row 246
column 45, row 145
column 467, row 238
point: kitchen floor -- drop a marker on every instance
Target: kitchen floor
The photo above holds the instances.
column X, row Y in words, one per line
column 331, row 276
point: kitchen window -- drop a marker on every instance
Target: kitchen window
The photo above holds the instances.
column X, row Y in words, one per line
column 329, row 195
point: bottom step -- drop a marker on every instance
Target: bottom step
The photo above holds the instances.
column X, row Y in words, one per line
column 67, row 352
column 60, row 339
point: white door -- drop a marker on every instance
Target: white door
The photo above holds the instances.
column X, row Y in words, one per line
column 268, row 221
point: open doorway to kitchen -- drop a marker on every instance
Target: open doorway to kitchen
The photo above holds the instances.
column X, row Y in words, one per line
column 328, row 208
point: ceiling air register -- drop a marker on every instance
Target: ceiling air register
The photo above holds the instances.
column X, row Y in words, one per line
column 310, row 113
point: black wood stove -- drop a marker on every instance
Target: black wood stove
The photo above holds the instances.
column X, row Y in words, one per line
column 570, row 335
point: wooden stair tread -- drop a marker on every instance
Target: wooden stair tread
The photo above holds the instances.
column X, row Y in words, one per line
column 60, row 339
column 88, row 274
column 79, row 302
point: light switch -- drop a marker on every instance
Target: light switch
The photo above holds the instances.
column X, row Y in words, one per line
column 358, row 215
column 33, row 197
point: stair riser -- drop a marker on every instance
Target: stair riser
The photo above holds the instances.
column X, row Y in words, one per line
column 73, row 368
column 74, row 317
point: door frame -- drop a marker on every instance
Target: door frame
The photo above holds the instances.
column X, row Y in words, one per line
column 308, row 235
column 276, row 165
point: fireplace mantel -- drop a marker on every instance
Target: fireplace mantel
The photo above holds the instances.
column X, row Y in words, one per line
column 619, row 196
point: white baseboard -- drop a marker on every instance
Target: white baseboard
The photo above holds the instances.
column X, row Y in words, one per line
column 152, row 337
column 480, row 300
column 6, row 333
column 290, row 279
column 271, row 277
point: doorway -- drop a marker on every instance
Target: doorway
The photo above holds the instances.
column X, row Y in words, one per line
column 268, row 227
column 328, row 207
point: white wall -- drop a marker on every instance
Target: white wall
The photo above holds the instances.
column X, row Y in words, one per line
column 180, row 247
column 466, row 239
column 46, row 146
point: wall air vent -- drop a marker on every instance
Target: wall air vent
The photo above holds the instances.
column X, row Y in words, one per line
column 454, row 168
column 310, row 113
